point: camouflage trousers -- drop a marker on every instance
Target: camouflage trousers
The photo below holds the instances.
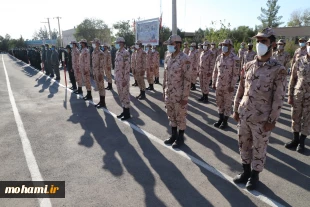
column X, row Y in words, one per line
column 204, row 82
column 156, row 71
column 140, row 81
column 253, row 143
column 123, row 93
column 176, row 115
column 78, row 76
column 194, row 75
column 150, row 75
column 99, row 82
column 224, row 101
column 86, row 77
column 108, row 75
column 301, row 112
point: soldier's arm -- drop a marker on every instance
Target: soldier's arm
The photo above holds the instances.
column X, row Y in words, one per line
column 293, row 79
column 87, row 62
column 187, row 70
column 240, row 92
column 215, row 72
column 101, row 63
column 294, row 59
column 279, row 89
column 236, row 72
column 109, row 62
column 126, row 71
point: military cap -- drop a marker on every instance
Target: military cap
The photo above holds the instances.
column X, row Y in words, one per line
column 73, row 42
column 83, row 41
column 96, row 40
column 250, row 44
column 185, row 43
column 267, row 32
column 119, row 39
column 174, row 38
column 302, row 39
column 206, row 43
column 193, row 44
column 227, row 41
column 281, row 41
column 138, row 42
column 149, row 45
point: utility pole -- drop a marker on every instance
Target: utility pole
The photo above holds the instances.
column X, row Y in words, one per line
column 61, row 43
column 174, row 17
column 49, row 27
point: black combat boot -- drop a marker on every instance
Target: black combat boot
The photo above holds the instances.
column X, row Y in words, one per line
column 202, row 98
column 180, row 140
column 88, row 96
column 224, row 124
column 253, row 180
column 101, row 103
column 122, row 114
column 219, row 122
column 194, row 87
column 294, row 143
column 142, row 97
column 126, row 114
column 206, row 98
column 301, row 146
column 138, row 97
column 243, row 177
column 149, row 88
column 79, row 91
column 109, row 87
column 135, row 84
column 174, row 135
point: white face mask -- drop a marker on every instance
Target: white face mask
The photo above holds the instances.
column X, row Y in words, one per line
column 308, row 50
column 302, row 44
column 212, row 46
column 205, row 47
column 261, row 49
column 225, row 49
column 137, row 46
column 191, row 48
column 280, row 47
column 94, row 45
column 171, row 48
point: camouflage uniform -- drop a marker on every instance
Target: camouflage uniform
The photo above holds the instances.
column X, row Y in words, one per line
column 258, row 100
column 76, row 66
column 186, row 48
column 98, row 69
column 140, row 67
column 107, row 64
column 299, row 52
column 155, row 64
column 248, row 56
column 149, row 68
column 84, row 63
column 282, row 57
column 133, row 66
column 241, row 53
column 194, row 59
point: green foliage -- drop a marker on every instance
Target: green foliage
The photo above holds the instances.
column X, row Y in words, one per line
column 290, row 47
column 269, row 16
column 299, row 18
column 41, row 34
column 124, row 30
column 7, row 43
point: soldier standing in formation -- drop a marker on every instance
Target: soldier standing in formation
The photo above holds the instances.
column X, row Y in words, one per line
column 299, row 99
column 47, row 63
column 241, row 52
column 176, row 87
column 155, row 64
column 248, row 55
column 43, row 56
column 280, row 55
column 55, row 63
column 133, row 65
column 84, row 66
column 76, row 67
column 149, row 68
column 122, row 77
column 206, row 66
column 194, row 59
column 107, row 65
column 257, row 106
column 70, row 68
column 302, row 51
column 186, row 48
column 225, row 75
column 140, row 68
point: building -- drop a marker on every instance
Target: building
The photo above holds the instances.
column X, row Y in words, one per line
column 68, row 36
column 38, row 43
column 292, row 33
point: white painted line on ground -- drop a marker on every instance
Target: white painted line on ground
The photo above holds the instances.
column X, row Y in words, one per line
column 30, row 158
column 201, row 163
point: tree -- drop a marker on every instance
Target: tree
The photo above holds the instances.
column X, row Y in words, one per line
column 54, row 34
column 41, row 34
column 93, row 28
column 299, row 18
column 269, row 16
column 124, row 30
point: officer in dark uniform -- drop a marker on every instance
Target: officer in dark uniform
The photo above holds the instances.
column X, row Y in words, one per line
column 55, row 63
column 69, row 68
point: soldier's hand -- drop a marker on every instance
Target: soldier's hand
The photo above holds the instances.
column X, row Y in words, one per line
column 231, row 89
column 290, row 100
column 124, row 84
column 269, row 126
column 183, row 102
column 236, row 116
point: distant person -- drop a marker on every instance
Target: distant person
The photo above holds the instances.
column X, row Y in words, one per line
column 55, row 63
column 70, row 69
column 113, row 53
column 301, row 51
column 280, row 55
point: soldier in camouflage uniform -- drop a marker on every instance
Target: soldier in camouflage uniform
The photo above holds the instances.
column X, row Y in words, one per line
column 241, row 52
column 176, row 87
column 206, row 66
column 76, row 66
column 194, row 59
column 132, row 62
column 299, row 99
column 248, row 55
column 280, row 55
column 122, row 77
column 257, row 107
column 98, row 71
column 140, row 68
column 107, row 64
column 186, row 48
column 225, row 76
column 302, row 51
column 84, row 66
column 149, row 68
column 155, row 64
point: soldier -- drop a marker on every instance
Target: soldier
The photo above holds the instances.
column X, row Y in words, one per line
column 122, row 77
column 302, row 51
column 132, row 62
column 257, row 107
column 176, row 87
column 140, row 68
column 248, row 55
column 70, row 69
column 241, row 52
column 113, row 53
column 298, row 98
column 280, row 55
column 76, row 66
column 194, row 59
column 155, row 64
column 55, row 63
column 107, row 65
column 84, row 66
column 186, row 48
column 47, row 64
column 200, row 49
column 206, row 65
column 98, row 59
column 149, row 68
column 225, row 75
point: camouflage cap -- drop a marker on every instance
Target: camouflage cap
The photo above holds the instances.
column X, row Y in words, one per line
column 227, row 41
column 148, row 45
column 96, row 41
column 174, row 38
column 73, row 42
column 119, row 39
column 281, row 41
column 250, row 44
column 138, row 42
column 193, row 44
column 199, row 44
column 302, row 39
column 185, row 43
column 206, row 43
column 267, row 32
column 83, row 40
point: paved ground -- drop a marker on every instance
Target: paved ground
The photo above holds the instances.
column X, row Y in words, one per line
column 107, row 162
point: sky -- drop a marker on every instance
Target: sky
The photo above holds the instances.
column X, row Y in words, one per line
column 20, row 17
